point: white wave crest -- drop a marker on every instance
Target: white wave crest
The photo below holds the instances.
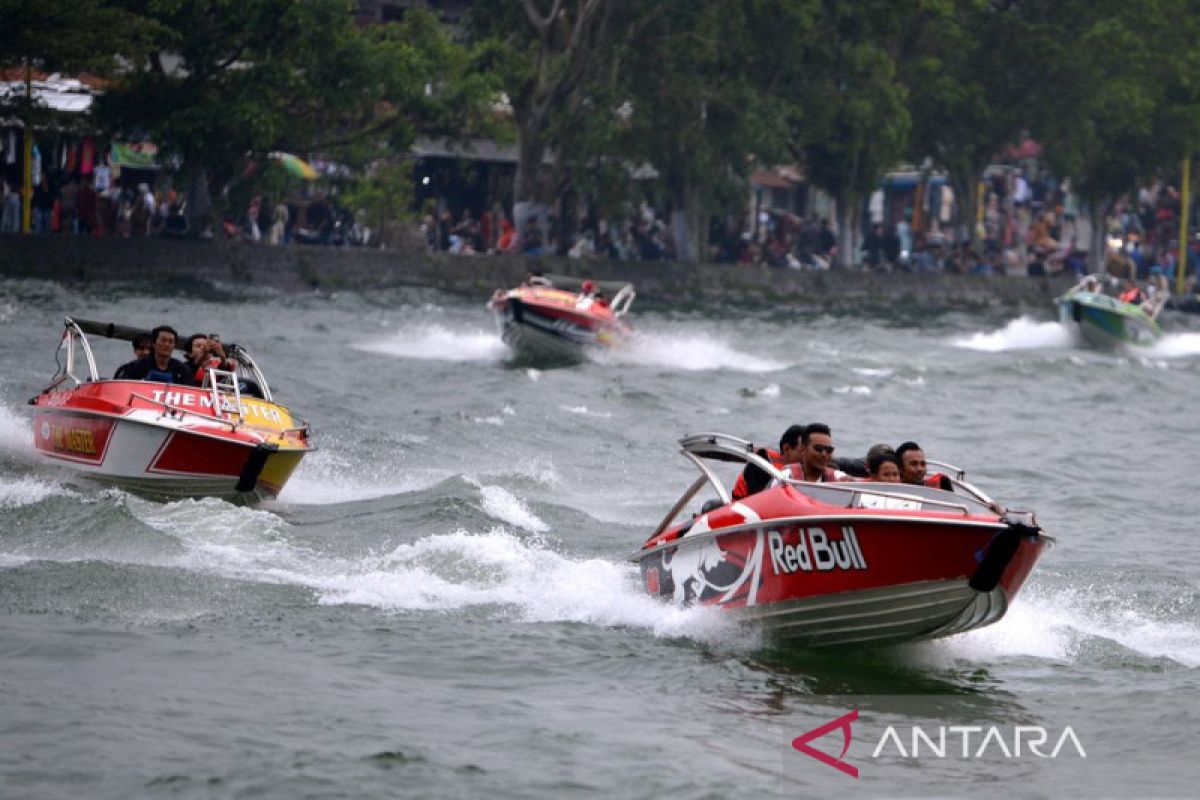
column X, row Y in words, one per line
column 1022, row 333
column 687, row 352
column 507, row 507
column 1051, row 624
column 26, row 491
column 16, row 436
column 458, row 570
column 1176, row 345
column 438, row 343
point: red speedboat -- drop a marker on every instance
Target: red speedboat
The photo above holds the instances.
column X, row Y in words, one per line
column 560, row 318
column 839, row 563
column 163, row 438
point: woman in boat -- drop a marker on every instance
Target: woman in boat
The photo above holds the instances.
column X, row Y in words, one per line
column 883, row 467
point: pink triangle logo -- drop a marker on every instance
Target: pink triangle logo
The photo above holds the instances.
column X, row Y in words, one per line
column 801, row 743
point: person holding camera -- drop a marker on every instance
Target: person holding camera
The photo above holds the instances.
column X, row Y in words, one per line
column 204, row 352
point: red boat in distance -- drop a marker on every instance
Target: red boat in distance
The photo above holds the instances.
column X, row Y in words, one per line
column 841, row 563
column 165, row 439
column 557, row 318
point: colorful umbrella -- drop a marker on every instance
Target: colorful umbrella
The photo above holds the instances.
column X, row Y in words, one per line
column 295, row 165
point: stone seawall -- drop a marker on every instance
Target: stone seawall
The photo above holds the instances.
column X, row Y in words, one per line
column 75, row 260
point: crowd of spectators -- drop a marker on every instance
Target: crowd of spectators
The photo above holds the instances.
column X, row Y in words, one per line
column 1028, row 226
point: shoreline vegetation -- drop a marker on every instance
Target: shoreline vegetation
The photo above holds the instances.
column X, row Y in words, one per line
column 231, row 265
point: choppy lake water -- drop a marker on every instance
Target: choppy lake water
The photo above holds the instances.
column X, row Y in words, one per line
column 440, row 603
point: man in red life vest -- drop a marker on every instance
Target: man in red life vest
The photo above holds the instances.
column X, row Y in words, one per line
column 816, row 456
column 913, row 467
column 753, row 479
column 1132, row 294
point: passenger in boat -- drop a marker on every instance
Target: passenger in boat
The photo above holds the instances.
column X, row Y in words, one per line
column 159, row 365
column 1132, row 294
column 586, row 296
column 913, row 468
column 142, row 346
column 883, row 467
column 754, row 480
column 816, row 457
column 205, row 352
column 857, row 467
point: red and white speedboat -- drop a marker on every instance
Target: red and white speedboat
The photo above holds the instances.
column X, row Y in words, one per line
column 162, row 438
column 560, row 318
column 839, row 563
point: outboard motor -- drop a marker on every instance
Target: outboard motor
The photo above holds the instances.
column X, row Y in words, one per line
column 1002, row 548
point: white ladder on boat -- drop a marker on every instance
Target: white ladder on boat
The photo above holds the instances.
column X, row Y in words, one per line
column 226, row 396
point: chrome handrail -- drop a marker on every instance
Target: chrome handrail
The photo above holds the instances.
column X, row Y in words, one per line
column 180, row 409
column 857, row 487
column 624, row 298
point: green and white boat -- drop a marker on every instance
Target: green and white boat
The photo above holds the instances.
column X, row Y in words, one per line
column 1106, row 322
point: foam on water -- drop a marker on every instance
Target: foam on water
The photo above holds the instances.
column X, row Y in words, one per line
column 520, row 574
column 15, row 436
column 583, row 411
column 26, row 491
column 1022, row 333
column 219, row 537
column 507, row 507
column 1175, row 345
column 534, row 584
column 1053, row 623
column 325, row 478
column 435, row 342
column 688, row 352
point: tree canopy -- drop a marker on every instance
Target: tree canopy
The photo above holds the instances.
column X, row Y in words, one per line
column 612, row 100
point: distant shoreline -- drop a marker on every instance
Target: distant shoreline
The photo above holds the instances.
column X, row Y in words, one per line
column 75, row 260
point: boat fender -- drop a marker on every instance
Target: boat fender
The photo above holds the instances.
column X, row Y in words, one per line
column 254, row 467
column 1000, row 551
column 1077, row 311
column 518, row 310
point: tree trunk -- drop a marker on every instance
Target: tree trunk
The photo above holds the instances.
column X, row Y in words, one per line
column 687, row 228
column 529, row 182
column 199, row 203
column 967, row 193
column 1098, row 241
column 847, row 232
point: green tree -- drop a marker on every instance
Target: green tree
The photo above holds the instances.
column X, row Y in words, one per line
column 545, row 53
column 850, row 122
column 699, row 80
column 383, row 196
column 232, row 78
column 1132, row 110
column 973, row 71
column 62, row 36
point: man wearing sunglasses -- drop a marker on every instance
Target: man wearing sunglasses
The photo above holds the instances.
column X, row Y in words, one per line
column 816, row 457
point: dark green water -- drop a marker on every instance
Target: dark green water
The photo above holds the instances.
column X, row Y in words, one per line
column 440, row 603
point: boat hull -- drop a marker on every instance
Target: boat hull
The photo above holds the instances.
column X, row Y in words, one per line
column 1106, row 322
column 848, row 580
column 114, row 432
